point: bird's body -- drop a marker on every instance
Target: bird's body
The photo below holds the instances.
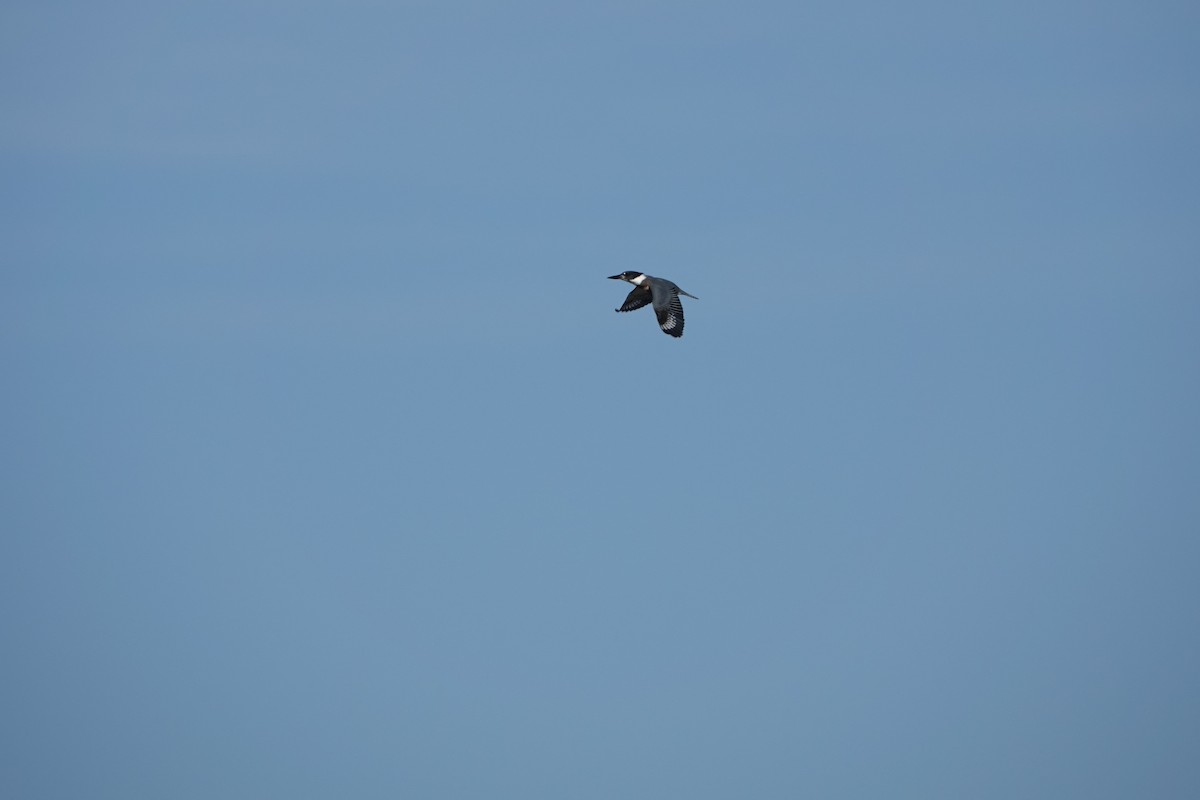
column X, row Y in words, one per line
column 660, row 292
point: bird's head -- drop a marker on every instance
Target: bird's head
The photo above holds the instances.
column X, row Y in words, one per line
column 625, row 276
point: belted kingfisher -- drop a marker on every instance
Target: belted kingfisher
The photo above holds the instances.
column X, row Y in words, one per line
column 660, row 291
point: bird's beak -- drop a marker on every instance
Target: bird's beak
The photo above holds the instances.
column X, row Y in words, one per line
column 616, row 278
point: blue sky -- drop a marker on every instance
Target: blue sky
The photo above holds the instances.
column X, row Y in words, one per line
column 328, row 469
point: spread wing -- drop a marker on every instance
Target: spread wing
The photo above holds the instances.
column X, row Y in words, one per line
column 670, row 315
column 640, row 296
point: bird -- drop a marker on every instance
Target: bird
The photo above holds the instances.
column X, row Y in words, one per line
column 662, row 293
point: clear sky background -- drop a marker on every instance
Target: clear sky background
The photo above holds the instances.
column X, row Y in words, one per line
column 328, row 470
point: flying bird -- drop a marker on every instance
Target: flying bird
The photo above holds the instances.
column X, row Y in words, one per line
column 662, row 293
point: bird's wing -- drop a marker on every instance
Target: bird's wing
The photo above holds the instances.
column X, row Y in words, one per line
column 639, row 297
column 670, row 315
